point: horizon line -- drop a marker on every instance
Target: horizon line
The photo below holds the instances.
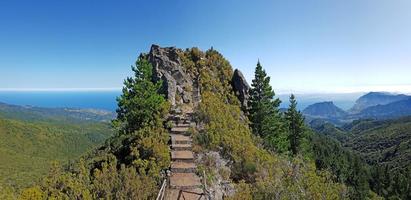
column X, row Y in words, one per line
column 60, row 89
column 405, row 89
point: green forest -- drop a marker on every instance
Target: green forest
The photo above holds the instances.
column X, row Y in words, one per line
column 272, row 154
column 28, row 148
column 383, row 147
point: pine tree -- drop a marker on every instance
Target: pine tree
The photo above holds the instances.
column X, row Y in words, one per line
column 264, row 113
column 141, row 103
column 295, row 122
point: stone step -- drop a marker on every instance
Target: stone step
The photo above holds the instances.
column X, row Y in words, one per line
column 181, row 147
column 180, row 129
column 183, row 125
column 180, row 139
column 183, row 167
column 184, row 181
column 184, row 156
column 179, row 117
column 188, row 194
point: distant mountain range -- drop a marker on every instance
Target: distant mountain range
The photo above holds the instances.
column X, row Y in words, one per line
column 374, row 99
column 30, row 113
column 373, row 105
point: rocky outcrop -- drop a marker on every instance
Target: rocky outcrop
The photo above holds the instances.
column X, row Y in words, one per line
column 241, row 88
column 178, row 85
column 220, row 185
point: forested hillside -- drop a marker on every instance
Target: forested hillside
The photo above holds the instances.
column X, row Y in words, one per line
column 384, row 145
column 28, row 148
column 57, row 115
column 387, row 143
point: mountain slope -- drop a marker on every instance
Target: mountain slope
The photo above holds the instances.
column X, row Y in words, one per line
column 324, row 110
column 388, row 111
column 30, row 113
column 385, row 146
column 386, row 143
column 27, row 148
column 376, row 98
column 328, row 129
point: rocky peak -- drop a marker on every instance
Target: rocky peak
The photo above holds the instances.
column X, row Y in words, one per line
column 241, row 88
column 181, row 87
column 325, row 109
column 178, row 85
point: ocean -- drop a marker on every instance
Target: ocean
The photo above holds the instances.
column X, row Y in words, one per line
column 105, row 100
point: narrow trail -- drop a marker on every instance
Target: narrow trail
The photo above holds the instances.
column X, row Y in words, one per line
column 183, row 183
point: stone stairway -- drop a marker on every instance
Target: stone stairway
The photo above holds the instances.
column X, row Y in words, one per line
column 183, row 182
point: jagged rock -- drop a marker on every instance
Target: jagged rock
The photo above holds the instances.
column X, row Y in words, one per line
column 168, row 67
column 241, row 88
column 221, row 186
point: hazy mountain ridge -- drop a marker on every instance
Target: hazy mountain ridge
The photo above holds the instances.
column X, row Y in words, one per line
column 376, row 98
column 324, row 109
column 32, row 113
column 387, row 111
column 373, row 105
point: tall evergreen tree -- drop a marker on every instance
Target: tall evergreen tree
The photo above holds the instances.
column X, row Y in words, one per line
column 141, row 103
column 264, row 113
column 295, row 122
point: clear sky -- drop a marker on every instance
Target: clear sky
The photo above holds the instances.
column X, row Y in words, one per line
column 305, row 46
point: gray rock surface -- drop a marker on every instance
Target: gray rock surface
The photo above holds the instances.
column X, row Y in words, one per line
column 220, row 186
column 241, row 88
column 168, row 67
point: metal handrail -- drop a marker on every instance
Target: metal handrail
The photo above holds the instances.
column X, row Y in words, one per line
column 181, row 194
column 207, row 193
column 160, row 195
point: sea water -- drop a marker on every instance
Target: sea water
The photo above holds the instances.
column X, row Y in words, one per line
column 105, row 100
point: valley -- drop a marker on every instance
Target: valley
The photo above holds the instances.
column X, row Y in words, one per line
column 32, row 138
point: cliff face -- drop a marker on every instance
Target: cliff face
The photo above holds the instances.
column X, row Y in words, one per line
column 241, row 88
column 182, row 87
column 178, row 85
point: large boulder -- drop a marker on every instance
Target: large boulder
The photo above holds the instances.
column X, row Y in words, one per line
column 241, row 88
column 178, row 85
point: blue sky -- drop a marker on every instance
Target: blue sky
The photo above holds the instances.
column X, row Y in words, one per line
column 305, row 46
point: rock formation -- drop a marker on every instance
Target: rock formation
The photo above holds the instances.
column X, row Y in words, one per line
column 241, row 88
column 178, row 85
